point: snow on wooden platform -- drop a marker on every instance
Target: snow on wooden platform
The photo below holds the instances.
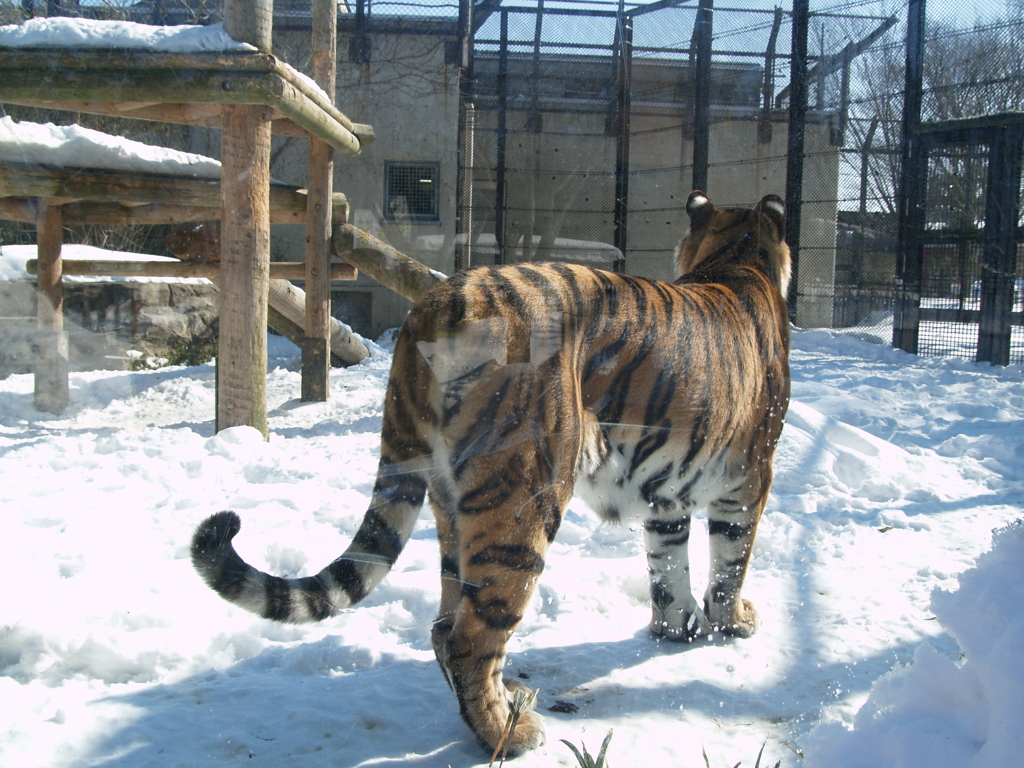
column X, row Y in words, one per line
column 172, row 74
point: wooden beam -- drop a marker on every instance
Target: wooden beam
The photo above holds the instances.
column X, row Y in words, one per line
column 286, row 312
column 279, row 270
column 49, row 238
column 199, row 115
column 291, row 303
column 245, row 269
column 52, row 393
column 389, row 267
column 245, row 238
column 22, row 180
column 16, row 209
column 120, row 213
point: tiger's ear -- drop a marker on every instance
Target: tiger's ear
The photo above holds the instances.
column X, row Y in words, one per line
column 773, row 207
column 699, row 209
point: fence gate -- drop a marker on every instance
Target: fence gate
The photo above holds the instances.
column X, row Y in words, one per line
column 962, row 254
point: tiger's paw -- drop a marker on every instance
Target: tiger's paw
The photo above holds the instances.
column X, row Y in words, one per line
column 528, row 734
column 743, row 622
column 680, row 626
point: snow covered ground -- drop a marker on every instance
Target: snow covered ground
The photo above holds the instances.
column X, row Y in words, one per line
column 892, row 473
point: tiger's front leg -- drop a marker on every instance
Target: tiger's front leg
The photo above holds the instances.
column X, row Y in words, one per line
column 675, row 614
column 732, row 525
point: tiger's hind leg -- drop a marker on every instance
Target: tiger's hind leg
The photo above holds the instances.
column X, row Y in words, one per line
column 495, row 579
column 472, row 655
column 493, row 554
column 451, row 580
column 732, row 525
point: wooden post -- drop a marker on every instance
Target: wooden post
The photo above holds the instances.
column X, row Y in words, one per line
column 316, row 356
column 51, row 364
column 245, row 239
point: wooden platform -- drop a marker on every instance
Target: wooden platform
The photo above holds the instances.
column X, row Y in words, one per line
column 248, row 96
column 112, row 198
column 182, row 88
column 279, row 270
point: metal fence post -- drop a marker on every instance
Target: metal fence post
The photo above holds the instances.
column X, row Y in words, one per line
column 702, row 96
column 910, row 192
column 795, row 149
column 624, row 39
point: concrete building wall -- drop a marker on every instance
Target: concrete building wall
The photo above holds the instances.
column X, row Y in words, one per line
column 741, row 171
column 409, row 94
column 560, row 182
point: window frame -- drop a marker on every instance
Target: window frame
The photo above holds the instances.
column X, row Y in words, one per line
column 413, row 170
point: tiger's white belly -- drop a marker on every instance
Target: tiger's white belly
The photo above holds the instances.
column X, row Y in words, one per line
column 621, row 488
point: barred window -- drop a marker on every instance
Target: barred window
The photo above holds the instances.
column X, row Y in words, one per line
column 411, row 191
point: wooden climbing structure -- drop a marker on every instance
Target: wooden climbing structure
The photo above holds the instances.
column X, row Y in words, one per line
column 248, row 95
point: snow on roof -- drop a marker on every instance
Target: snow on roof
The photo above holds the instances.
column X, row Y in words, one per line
column 76, row 147
column 63, row 32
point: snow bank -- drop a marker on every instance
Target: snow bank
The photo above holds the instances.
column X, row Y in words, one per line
column 955, row 709
column 60, row 32
column 75, row 147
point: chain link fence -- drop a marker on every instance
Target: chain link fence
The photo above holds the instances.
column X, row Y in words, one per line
column 584, row 125
column 593, row 123
column 963, row 262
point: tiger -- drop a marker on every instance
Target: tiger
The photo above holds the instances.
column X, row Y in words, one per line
column 513, row 386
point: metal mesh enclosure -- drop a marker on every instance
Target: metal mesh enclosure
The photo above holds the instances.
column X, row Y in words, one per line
column 960, row 260
column 893, row 129
column 544, row 151
column 855, row 87
column 592, row 122
column 673, row 97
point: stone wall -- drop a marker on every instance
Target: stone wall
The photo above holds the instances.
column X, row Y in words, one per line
column 114, row 325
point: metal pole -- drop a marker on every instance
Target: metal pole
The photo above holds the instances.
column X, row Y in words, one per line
column 910, row 191
column 764, row 125
column 795, row 149
column 464, row 191
column 865, row 161
column 624, row 40
column 702, row 96
column 534, row 122
column 1002, row 211
column 501, row 194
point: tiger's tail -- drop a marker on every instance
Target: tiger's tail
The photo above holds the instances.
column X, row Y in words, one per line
column 378, row 542
column 384, row 531
column 398, row 496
